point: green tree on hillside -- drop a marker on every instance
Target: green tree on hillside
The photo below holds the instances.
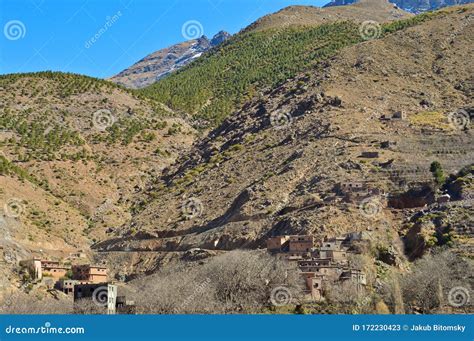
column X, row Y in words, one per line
column 222, row 80
column 438, row 174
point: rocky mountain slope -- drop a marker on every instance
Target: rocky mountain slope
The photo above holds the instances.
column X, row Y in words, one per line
column 296, row 110
column 273, row 166
column 412, row 6
column 161, row 63
column 264, row 55
column 74, row 151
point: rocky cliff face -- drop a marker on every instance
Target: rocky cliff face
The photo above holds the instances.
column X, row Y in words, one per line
column 161, row 63
column 413, row 6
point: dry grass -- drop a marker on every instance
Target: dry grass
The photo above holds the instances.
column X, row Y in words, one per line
column 431, row 119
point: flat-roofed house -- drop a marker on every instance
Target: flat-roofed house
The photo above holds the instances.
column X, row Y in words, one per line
column 329, row 272
column 40, row 268
column 277, row 244
column 354, row 275
column 54, row 269
column 67, row 285
column 334, row 250
column 90, row 273
column 301, row 243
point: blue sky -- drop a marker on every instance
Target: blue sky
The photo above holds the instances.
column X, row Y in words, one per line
column 38, row 35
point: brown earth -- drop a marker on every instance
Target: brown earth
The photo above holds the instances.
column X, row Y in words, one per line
column 380, row 11
column 66, row 203
column 270, row 168
column 250, row 179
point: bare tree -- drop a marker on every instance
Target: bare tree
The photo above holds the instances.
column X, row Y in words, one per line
column 235, row 282
column 431, row 278
column 21, row 303
column 391, row 293
column 87, row 306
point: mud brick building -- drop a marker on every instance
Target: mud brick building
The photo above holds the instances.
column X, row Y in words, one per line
column 54, row 269
column 278, row 244
column 39, row 269
column 304, row 244
column 89, row 273
column 62, row 277
column 321, row 266
column 356, row 191
column 68, row 285
column 334, row 249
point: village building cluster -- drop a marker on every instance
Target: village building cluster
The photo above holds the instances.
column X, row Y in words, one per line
column 64, row 276
column 320, row 265
column 80, row 281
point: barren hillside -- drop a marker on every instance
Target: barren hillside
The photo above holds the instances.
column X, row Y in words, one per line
column 272, row 167
column 306, row 105
column 74, row 151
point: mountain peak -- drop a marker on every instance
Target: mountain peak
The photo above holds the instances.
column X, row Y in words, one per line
column 161, row 63
column 219, row 38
